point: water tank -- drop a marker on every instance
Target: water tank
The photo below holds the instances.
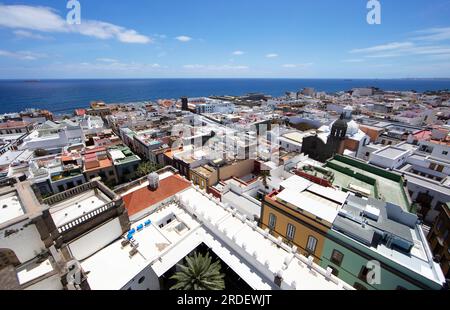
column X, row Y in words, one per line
column 153, row 181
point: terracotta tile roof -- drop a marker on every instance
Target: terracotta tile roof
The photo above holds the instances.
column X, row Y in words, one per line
column 102, row 164
column 423, row 135
column 80, row 112
column 94, row 150
column 13, row 124
column 143, row 198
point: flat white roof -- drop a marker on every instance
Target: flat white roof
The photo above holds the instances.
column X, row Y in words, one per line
column 112, row 268
column 296, row 183
column 319, row 207
column 244, row 247
column 34, row 271
column 244, row 205
column 116, row 154
column 75, row 207
column 10, row 207
column 321, row 201
column 391, row 152
column 295, row 136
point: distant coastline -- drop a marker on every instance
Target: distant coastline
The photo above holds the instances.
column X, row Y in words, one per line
column 65, row 95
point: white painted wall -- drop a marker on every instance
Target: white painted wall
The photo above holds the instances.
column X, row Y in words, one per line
column 52, row 283
column 145, row 280
column 95, row 240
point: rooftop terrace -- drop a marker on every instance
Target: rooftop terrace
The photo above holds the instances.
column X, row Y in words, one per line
column 195, row 218
column 10, row 207
column 356, row 176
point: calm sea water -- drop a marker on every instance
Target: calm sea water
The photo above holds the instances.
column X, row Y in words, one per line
column 61, row 96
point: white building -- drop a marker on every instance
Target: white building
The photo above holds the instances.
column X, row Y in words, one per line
column 163, row 239
column 53, row 137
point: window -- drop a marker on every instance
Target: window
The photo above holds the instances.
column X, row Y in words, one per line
column 312, row 244
column 141, row 280
column 444, row 153
column 290, row 234
column 335, row 272
column 337, row 257
column 272, row 221
column 359, row 287
column 363, row 273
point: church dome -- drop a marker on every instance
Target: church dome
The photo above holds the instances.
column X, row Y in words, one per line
column 352, row 128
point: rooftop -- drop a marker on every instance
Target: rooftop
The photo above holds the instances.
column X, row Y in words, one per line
column 205, row 171
column 392, row 152
column 77, row 206
column 321, row 202
column 142, row 198
column 10, row 207
column 389, row 231
column 350, row 174
column 121, row 155
column 173, row 232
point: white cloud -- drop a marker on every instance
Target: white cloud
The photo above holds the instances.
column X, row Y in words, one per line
column 45, row 19
column 22, row 55
column 272, row 55
column 385, row 47
column 238, row 53
column 290, row 66
column 183, row 38
column 30, row 35
column 109, row 60
column 402, row 49
column 215, row 67
column 434, row 34
column 353, row 60
column 118, row 67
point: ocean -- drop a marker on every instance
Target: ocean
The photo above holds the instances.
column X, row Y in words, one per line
column 63, row 96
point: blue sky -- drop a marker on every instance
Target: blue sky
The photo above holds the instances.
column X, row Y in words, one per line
column 224, row 38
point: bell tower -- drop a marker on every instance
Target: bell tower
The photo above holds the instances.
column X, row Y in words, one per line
column 337, row 135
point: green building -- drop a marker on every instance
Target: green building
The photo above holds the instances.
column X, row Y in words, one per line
column 376, row 245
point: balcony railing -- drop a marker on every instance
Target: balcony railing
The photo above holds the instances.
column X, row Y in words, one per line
column 86, row 217
column 69, row 193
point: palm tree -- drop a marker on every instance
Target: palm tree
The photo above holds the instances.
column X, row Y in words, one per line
column 199, row 274
column 265, row 174
column 146, row 167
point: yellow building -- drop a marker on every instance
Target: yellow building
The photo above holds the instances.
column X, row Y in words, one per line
column 204, row 176
column 302, row 213
column 208, row 175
